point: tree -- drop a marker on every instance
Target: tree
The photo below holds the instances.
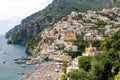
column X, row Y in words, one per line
column 78, row 75
column 73, row 54
column 101, row 24
column 102, row 65
column 63, row 77
column 96, row 43
column 117, row 77
column 85, row 63
column 106, row 43
column 64, row 66
column 97, row 70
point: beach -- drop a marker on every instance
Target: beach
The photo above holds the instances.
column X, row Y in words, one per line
column 49, row 70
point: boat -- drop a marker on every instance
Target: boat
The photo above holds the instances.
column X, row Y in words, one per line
column 22, row 58
column 20, row 61
column 21, row 73
column 29, row 62
column 23, row 65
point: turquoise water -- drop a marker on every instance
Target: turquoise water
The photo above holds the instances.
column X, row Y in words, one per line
column 10, row 70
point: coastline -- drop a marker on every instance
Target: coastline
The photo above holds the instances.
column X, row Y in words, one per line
column 25, row 77
column 45, row 71
column 9, row 69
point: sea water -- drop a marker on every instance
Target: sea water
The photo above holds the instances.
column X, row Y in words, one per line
column 8, row 68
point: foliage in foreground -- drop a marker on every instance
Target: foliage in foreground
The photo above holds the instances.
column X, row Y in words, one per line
column 117, row 77
column 102, row 66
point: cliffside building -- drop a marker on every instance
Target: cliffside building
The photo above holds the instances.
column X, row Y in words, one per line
column 90, row 51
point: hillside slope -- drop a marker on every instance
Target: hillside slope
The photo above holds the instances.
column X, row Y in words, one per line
column 34, row 24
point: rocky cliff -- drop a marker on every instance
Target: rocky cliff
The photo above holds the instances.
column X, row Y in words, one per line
column 35, row 23
column 29, row 29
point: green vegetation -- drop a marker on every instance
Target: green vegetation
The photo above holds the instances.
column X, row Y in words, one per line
column 116, row 3
column 54, row 12
column 111, row 42
column 61, row 47
column 15, row 37
column 80, row 42
column 34, row 24
column 101, row 24
column 32, row 44
column 73, row 54
column 97, row 44
column 117, row 77
column 87, row 21
column 78, row 75
column 84, row 63
column 103, row 65
column 116, row 26
column 111, row 17
column 63, row 77
column 64, row 66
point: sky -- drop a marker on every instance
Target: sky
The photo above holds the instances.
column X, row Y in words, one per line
column 13, row 11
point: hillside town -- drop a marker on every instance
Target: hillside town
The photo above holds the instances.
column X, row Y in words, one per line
column 59, row 40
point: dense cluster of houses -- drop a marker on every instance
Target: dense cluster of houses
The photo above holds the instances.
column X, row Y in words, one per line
column 94, row 25
column 63, row 34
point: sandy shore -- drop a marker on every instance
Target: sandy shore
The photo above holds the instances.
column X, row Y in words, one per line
column 45, row 71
